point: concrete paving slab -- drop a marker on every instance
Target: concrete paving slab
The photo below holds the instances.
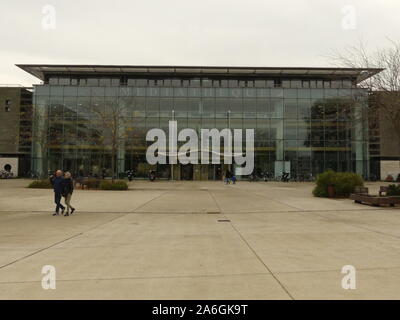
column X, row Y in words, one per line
column 196, row 240
column 385, row 221
column 258, row 287
column 325, row 251
column 381, row 284
column 184, row 201
column 166, row 252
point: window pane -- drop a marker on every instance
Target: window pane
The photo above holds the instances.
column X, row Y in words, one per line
column 276, row 108
column 290, row 108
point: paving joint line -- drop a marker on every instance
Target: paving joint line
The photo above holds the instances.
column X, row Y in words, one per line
column 358, row 226
column 150, row 277
column 259, row 258
column 64, row 240
column 40, row 250
column 147, row 202
column 262, row 196
column 252, row 250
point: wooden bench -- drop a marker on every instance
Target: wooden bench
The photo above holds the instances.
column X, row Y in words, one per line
column 82, row 182
column 383, row 189
column 375, row 200
column 361, row 190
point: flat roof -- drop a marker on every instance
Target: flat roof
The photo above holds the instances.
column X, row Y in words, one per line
column 40, row 70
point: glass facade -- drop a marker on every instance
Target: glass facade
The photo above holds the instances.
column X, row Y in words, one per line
column 301, row 126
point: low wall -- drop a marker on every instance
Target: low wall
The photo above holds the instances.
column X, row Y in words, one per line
column 389, row 167
column 13, row 162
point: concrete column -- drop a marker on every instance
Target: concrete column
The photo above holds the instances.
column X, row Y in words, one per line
column 279, row 150
column 204, row 172
column 358, row 139
column 40, row 140
column 197, row 172
column 122, row 136
column 177, row 172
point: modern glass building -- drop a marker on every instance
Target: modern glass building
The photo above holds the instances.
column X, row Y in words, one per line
column 91, row 119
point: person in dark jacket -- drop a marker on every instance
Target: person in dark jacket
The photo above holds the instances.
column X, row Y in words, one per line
column 67, row 192
column 228, row 176
column 57, row 182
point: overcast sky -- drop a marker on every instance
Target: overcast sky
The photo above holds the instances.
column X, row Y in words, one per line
column 187, row 32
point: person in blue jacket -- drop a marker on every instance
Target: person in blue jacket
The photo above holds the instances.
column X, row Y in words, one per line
column 57, row 182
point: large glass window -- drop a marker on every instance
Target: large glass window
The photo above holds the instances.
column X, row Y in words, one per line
column 263, row 108
column 221, row 107
column 250, row 108
column 312, row 124
column 290, row 108
column 236, row 108
column 208, row 108
column 152, row 107
column 276, row 108
column 181, row 107
column 194, row 108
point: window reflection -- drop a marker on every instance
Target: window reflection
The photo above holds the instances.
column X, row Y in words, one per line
column 310, row 123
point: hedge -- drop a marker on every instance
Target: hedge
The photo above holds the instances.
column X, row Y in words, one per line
column 40, row 184
column 343, row 182
column 116, row 185
column 93, row 183
column 393, row 190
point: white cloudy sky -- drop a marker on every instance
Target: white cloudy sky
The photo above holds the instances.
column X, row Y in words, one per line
column 188, row 32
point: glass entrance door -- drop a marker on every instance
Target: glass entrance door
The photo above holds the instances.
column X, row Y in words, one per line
column 187, row 172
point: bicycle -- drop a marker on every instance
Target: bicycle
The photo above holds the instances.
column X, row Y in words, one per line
column 6, row 174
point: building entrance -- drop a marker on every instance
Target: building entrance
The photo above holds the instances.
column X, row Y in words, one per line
column 215, row 171
column 187, row 172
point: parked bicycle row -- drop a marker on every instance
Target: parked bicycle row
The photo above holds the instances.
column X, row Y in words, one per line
column 4, row 174
column 153, row 175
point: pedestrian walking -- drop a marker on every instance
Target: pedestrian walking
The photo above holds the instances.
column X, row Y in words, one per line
column 152, row 175
column 228, row 177
column 67, row 193
column 57, row 182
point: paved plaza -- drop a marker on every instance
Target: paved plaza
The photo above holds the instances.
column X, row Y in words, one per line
column 197, row 240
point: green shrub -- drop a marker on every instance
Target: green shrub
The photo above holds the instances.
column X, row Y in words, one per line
column 343, row 182
column 320, row 192
column 346, row 183
column 40, row 184
column 116, row 185
column 393, row 190
column 93, row 183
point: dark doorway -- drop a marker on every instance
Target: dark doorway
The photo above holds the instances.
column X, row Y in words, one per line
column 215, row 172
column 187, row 172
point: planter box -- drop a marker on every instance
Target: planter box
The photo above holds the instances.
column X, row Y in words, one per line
column 375, row 200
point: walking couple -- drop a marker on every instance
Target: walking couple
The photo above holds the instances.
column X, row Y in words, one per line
column 63, row 187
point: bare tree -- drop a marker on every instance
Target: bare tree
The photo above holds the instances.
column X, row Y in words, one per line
column 42, row 137
column 113, row 121
column 384, row 86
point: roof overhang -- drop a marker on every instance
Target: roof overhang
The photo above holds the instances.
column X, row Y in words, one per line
column 40, row 70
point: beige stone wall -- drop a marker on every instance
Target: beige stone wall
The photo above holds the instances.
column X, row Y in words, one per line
column 390, row 167
column 390, row 142
column 13, row 162
column 9, row 121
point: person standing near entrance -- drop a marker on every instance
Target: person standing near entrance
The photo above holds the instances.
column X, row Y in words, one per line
column 57, row 182
column 67, row 193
